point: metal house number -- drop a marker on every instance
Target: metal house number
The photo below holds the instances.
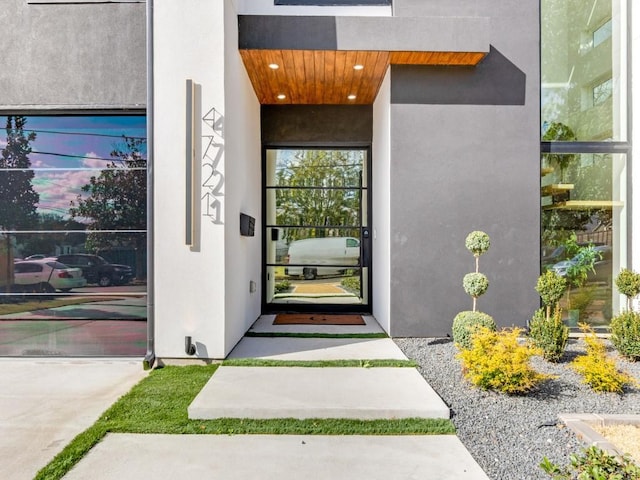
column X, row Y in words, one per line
column 213, row 179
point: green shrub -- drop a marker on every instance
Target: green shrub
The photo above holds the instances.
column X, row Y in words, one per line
column 351, row 284
column 475, row 284
column 625, row 334
column 593, row 464
column 598, row 370
column 465, row 324
column 551, row 287
column 549, row 334
column 497, row 361
column 282, row 286
column 477, row 242
column 628, row 283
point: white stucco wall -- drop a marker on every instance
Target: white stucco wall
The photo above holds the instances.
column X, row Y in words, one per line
column 243, row 255
column 189, row 285
column 381, row 156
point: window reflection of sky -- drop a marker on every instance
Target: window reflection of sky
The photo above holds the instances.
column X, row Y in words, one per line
column 69, row 150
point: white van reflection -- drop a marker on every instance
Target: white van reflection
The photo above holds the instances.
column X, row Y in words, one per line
column 307, row 256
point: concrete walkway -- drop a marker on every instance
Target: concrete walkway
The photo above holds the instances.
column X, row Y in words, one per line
column 300, row 392
column 45, row 403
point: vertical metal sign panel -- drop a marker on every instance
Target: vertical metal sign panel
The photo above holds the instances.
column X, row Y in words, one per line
column 188, row 214
column 193, row 160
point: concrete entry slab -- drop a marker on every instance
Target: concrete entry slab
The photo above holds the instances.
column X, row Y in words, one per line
column 272, row 457
column 307, row 392
column 288, row 348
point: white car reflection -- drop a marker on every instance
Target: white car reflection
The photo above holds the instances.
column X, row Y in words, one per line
column 47, row 276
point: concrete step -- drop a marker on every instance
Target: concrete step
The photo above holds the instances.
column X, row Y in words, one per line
column 288, row 348
column 308, row 392
column 278, row 457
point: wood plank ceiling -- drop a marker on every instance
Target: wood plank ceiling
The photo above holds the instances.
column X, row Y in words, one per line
column 316, row 77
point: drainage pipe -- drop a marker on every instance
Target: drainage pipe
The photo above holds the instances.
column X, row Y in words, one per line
column 150, row 356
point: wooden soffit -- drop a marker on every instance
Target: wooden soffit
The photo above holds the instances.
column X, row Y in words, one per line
column 340, row 60
column 316, row 77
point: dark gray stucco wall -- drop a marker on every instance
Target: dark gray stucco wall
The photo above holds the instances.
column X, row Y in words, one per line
column 82, row 55
column 466, row 162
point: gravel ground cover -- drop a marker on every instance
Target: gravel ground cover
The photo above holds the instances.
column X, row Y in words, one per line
column 509, row 435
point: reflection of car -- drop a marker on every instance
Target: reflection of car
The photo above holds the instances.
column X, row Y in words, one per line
column 602, row 266
column 559, row 253
column 322, row 256
column 97, row 270
column 37, row 256
column 47, row 276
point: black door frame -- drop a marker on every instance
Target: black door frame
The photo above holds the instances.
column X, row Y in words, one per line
column 365, row 238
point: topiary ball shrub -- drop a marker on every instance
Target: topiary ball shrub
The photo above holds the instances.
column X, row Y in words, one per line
column 551, row 287
column 466, row 323
column 625, row 334
column 628, row 283
column 549, row 334
column 477, row 242
column 475, row 284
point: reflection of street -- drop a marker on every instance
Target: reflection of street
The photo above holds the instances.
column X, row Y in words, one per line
column 317, row 291
column 102, row 303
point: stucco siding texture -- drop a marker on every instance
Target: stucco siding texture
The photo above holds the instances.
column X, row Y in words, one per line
column 85, row 55
column 459, row 166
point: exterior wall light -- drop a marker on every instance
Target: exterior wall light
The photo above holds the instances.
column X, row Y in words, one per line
column 189, row 346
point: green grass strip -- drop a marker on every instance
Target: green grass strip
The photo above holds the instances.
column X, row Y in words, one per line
column 316, row 335
column 259, row 362
column 158, row 404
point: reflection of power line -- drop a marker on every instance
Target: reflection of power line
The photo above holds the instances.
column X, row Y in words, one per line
column 112, row 159
column 56, row 132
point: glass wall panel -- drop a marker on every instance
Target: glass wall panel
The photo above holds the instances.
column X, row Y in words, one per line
column 588, row 208
column 584, row 70
column 73, row 238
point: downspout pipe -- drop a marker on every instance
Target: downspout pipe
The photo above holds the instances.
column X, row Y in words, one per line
column 150, row 356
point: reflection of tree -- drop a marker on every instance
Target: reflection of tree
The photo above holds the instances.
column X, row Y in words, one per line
column 117, row 200
column 559, row 132
column 593, row 180
column 46, row 243
column 323, row 201
column 18, row 200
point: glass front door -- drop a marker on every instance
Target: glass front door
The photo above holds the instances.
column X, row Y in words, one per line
column 317, row 241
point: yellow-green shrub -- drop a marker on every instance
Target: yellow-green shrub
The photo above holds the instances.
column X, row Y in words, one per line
column 497, row 361
column 598, row 370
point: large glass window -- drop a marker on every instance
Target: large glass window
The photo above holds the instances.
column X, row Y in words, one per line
column 73, row 235
column 584, row 68
column 585, row 149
